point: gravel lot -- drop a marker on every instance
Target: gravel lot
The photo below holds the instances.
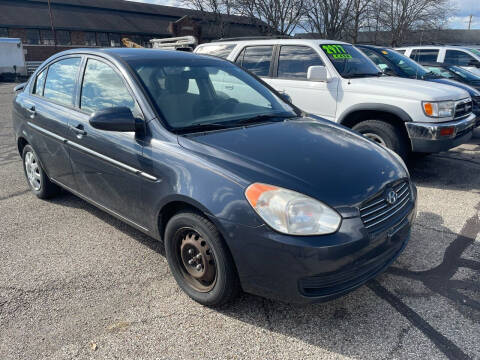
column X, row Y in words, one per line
column 77, row 283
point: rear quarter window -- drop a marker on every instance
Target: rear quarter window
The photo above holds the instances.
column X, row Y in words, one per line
column 218, row 50
column 61, row 80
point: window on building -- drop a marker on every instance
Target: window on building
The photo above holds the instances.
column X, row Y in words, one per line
column 63, row 37
column 3, row 32
column 102, row 40
column 103, row 88
column 457, row 57
column 40, row 83
column 115, row 40
column 90, row 39
column 61, row 78
column 294, row 61
column 47, row 37
column 219, row 50
column 424, row 55
column 256, row 59
column 33, row 36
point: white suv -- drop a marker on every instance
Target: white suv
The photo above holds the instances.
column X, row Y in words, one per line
column 336, row 81
column 465, row 57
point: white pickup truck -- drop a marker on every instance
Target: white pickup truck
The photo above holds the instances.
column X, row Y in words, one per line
column 338, row 82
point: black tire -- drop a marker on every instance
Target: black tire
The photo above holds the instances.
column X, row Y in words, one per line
column 187, row 228
column 45, row 189
column 391, row 135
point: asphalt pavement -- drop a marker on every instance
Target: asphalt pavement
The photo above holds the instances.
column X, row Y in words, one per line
column 78, row 283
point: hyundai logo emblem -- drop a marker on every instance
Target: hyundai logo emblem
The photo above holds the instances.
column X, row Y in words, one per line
column 391, row 197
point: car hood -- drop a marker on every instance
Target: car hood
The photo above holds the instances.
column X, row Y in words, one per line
column 314, row 157
column 471, row 91
column 405, row 88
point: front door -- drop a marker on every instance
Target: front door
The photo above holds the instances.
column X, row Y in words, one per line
column 106, row 164
column 319, row 98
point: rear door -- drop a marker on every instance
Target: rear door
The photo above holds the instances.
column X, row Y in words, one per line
column 460, row 58
column 49, row 108
column 106, row 164
column 290, row 77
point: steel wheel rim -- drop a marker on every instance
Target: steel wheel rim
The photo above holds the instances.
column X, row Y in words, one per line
column 33, row 171
column 376, row 138
column 196, row 260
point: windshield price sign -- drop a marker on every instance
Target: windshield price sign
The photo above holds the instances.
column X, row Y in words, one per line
column 336, row 51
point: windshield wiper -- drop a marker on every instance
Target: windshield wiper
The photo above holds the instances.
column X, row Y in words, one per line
column 262, row 118
column 431, row 75
column 199, row 128
column 360, row 75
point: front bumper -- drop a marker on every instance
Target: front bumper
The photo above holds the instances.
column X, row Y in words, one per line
column 428, row 137
column 307, row 269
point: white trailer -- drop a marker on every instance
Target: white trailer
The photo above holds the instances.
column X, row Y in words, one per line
column 12, row 58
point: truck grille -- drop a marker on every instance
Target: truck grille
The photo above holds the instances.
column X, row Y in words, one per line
column 462, row 109
column 378, row 213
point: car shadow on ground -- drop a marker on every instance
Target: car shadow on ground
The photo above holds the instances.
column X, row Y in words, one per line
column 368, row 318
column 457, row 169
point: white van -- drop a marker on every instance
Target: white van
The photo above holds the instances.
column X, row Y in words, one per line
column 12, row 58
column 338, row 82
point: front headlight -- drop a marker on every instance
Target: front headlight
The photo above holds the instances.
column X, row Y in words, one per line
column 439, row 109
column 290, row 212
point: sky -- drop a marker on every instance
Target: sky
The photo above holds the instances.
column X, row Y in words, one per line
column 465, row 8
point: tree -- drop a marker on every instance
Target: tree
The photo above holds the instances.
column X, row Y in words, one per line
column 214, row 12
column 399, row 17
column 360, row 13
column 328, row 18
column 281, row 16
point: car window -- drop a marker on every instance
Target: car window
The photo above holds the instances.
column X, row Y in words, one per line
column 103, row 88
column 401, row 51
column 424, row 55
column 40, row 83
column 378, row 60
column 349, row 61
column 226, row 94
column 441, row 72
column 256, row 59
column 61, row 79
column 294, row 61
column 219, row 50
column 457, row 57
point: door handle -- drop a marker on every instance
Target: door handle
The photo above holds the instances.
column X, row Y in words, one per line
column 31, row 110
column 79, row 130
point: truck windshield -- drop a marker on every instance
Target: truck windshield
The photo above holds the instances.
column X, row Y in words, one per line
column 349, row 61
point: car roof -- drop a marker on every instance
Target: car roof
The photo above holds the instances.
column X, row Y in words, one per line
column 465, row 47
column 132, row 53
column 277, row 42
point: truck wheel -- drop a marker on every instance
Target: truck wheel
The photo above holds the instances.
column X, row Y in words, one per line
column 200, row 260
column 37, row 179
column 385, row 134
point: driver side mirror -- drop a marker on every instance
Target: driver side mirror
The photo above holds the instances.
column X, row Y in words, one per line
column 113, row 119
column 474, row 63
column 317, row 73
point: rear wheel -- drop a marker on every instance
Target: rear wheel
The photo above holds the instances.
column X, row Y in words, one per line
column 199, row 259
column 385, row 134
column 37, row 179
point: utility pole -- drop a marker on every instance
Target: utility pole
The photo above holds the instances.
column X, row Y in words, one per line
column 470, row 22
column 51, row 23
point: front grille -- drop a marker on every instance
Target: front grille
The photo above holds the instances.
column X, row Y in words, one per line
column 463, row 109
column 378, row 214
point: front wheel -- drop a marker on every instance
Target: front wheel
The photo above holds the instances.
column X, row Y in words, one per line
column 200, row 260
column 385, row 134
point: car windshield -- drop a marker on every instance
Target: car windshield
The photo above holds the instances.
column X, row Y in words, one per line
column 475, row 51
column 195, row 95
column 465, row 74
column 410, row 68
column 349, row 61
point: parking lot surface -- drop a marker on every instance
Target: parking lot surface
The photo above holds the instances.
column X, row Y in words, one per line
column 77, row 283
